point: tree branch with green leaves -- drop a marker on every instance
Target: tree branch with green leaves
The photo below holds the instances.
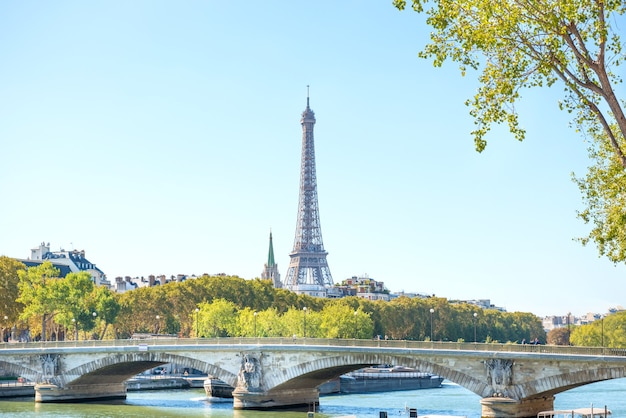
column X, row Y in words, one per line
column 525, row 44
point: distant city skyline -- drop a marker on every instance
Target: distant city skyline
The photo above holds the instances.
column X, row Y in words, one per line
column 149, row 279
column 165, row 138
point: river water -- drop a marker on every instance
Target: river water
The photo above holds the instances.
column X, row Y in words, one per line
column 450, row 399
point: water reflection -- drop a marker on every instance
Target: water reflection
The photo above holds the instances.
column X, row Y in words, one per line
column 450, row 399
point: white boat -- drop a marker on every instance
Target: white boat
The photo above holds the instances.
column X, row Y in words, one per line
column 387, row 379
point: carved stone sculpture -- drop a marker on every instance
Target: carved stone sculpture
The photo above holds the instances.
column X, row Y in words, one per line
column 48, row 365
column 249, row 376
column 499, row 375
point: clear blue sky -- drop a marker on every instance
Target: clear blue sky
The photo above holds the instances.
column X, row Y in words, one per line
column 164, row 137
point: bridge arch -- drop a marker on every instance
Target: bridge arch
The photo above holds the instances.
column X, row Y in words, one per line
column 315, row 372
column 120, row 367
column 552, row 385
column 14, row 369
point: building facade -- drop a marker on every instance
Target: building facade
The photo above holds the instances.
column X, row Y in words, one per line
column 73, row 261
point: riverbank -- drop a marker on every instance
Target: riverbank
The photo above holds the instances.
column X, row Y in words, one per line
column 450, row 399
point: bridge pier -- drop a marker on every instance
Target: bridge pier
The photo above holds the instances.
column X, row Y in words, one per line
column 298, row 399
column 500, row 407
column 48, row 392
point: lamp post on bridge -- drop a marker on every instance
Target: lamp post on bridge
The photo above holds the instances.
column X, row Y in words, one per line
column 569, row 333
column 197, row 310
column 75, row 328
column 255, row 314
column 304, row 316
column 156, row 329
column 475, row 319
column 95, row 314
column 43, row 316
column 432, row 311
column 4, row 324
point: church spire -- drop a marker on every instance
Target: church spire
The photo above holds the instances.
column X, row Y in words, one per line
column 270, row 255
column 270, row 270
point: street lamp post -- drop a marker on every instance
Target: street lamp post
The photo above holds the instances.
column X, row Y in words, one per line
column 43, row 317
column 156, row 330
column 94, row 317
column 569, row 333
column 75, row 328
column 475, row 317
column 432, row 311
column 4, row 324
column 197, row 310
column 304, row 316
column 255, row 324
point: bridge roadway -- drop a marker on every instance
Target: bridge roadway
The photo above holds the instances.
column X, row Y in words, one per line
column 269, row 373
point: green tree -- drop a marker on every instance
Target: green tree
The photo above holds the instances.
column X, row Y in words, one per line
column 270, row 324
column 300, row 322
column 284, row 299
column 37, row 288
column 137, row 312
column 106, row 307
column 558, row 336
column 71, row 297
column 525, row 44
column 9, row 291
column 610, row 331
column 217, row 319
column 339, row 320
column 603, row 189
column 404, row 318
column 66, row 303
column 363, row 323
column 246, row 323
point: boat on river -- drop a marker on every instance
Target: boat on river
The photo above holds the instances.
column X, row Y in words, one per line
column 382, row 378
column 216, row 388
column 387, row 379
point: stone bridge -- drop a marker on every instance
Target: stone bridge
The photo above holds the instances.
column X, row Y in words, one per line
column 270, row 373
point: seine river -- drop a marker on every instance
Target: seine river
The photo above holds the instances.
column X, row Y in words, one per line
column 447, row 400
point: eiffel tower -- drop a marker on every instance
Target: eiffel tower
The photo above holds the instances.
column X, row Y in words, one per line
column 308, row 271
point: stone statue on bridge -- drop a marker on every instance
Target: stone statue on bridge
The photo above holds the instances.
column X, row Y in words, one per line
column 249, row 376
column 499, row 375
column 48, row 366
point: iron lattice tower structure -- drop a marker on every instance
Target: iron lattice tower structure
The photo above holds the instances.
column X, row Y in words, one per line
column 308, row 270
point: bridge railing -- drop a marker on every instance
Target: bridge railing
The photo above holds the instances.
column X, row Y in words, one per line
column 426, row 345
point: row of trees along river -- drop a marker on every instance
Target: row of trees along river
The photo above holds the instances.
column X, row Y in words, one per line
column 225, row 306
